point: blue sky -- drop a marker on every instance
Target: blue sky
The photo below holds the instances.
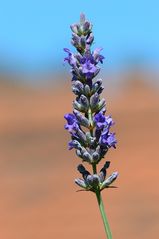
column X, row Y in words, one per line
column 33, row 32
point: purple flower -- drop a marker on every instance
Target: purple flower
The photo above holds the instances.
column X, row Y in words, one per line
column 111, row 140
column 97, row 56
column 107, row 139
column 103, row 121
column 89, row 69
column 72, row 125
column 71, row 58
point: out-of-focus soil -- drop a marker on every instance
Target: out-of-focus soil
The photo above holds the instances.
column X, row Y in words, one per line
column 38, row 198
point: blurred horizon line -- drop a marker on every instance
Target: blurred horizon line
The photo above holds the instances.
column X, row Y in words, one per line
column 50, row 65
column 56, row 77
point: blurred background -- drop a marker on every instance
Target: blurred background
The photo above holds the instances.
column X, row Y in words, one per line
column 38, row 198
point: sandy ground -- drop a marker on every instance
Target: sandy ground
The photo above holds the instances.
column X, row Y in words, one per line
column 38, row 198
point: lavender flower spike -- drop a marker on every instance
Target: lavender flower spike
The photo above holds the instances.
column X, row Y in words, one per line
column 89, row 127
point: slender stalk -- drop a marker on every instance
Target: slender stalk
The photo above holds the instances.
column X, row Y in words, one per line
column 104, row 217
column 94, row 168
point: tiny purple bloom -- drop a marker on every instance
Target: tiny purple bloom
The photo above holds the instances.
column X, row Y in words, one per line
column 71, row 58
column 103, row 121
column 72, row 125
column 88, row 67
column 108, row 139
column 111, row 140
column 97, row 56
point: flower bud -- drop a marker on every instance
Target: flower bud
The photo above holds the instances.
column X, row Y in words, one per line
column 101, row 88
column 75, row 38
column 78, row 152
column 95, row 157
column 109, row 180
column 81, row 135
column 90, row 39
column 96, row 85
column 78, row 106
column 83, row 153
column 74, row 144
column 84, row 102
column 81, row 183
column 78, row 86
column 87, row 157
column 90, row 140
column 75, row 90
column 83, row 171
column 81, row 119
column 82, row 18
column 87, row 90
column 75, row 28
column 102, row 173
column 100, row 105
column 94, row 101
column 83, row 42
column 86, row 26
column 81, row 168
column 93, row 180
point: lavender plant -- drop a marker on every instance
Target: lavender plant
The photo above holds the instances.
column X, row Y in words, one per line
column 88, row 125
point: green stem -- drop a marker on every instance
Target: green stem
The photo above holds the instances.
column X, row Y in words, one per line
column 90, row 119
column 104, row 217
column 94, row 168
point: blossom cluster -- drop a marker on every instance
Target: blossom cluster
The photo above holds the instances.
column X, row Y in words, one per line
column 88, row 125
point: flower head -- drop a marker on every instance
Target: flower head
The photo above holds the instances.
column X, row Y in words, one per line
column 88, row 125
